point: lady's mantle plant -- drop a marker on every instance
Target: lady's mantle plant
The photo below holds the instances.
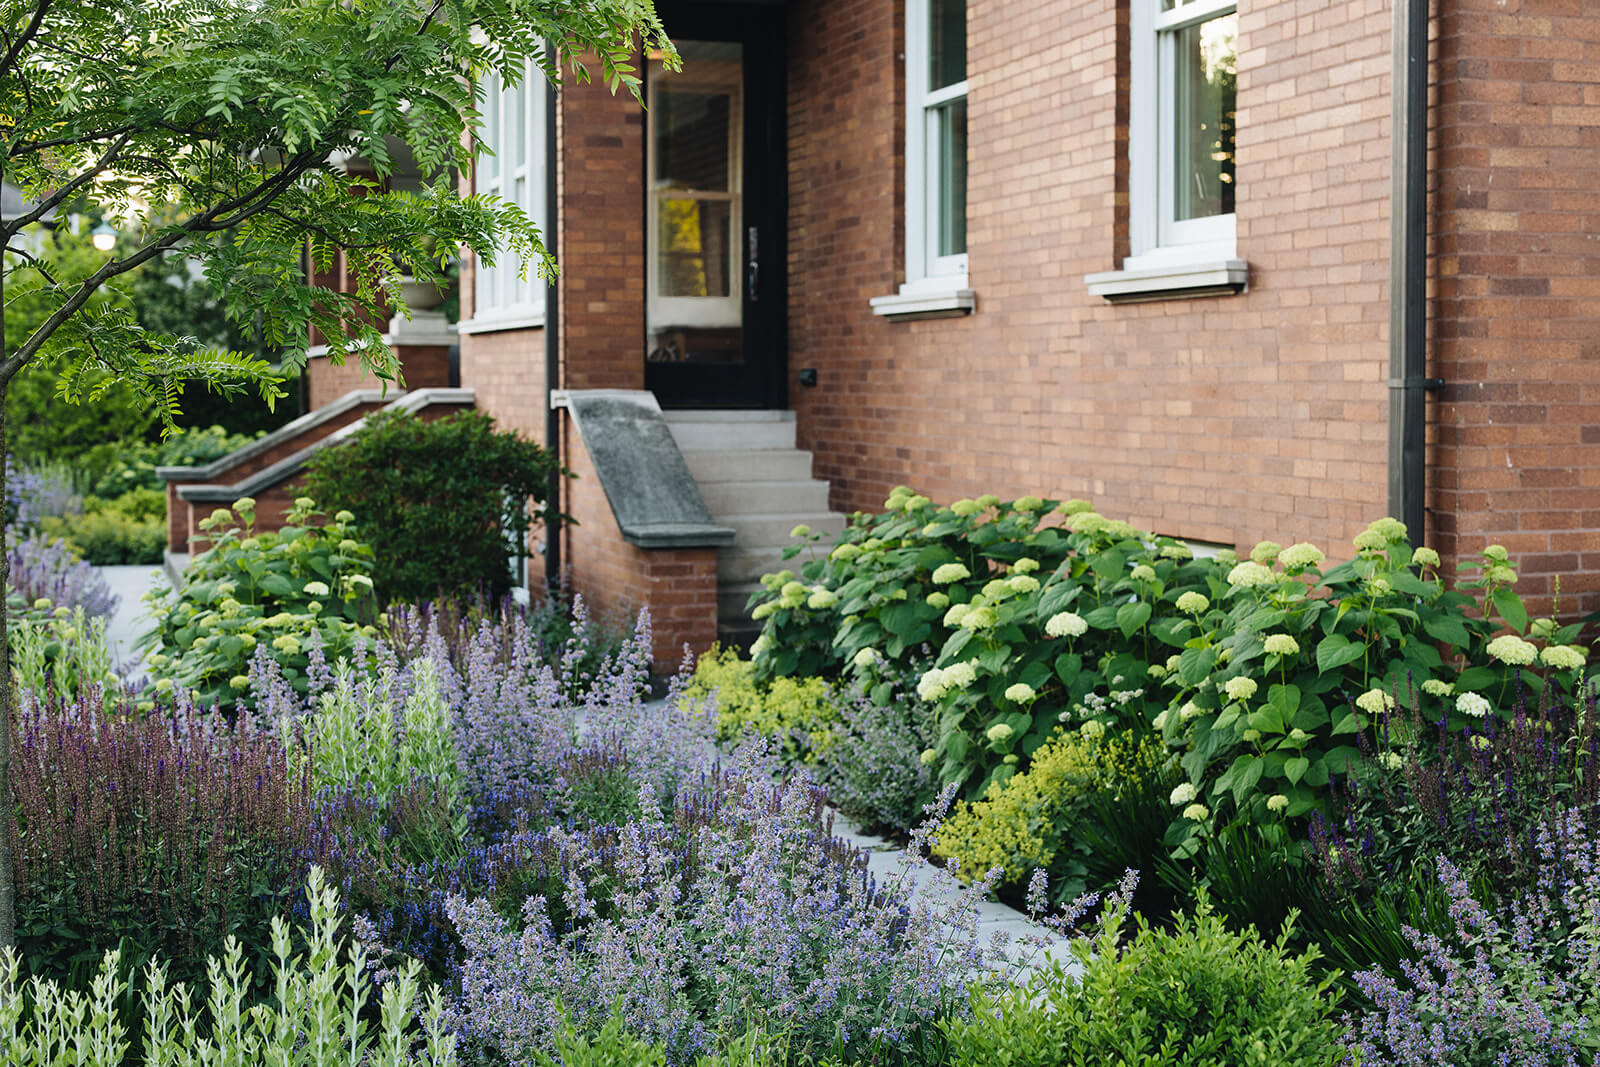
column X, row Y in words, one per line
column 310, row 582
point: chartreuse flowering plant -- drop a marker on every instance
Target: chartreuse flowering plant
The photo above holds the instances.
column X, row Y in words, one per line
column 1036, row 612
column 1282, row 666
column 286, row 590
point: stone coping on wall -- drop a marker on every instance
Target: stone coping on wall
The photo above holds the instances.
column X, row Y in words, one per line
column 277, row 473
column 654, row 498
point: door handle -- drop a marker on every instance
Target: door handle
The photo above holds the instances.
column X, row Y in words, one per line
column 752, row 269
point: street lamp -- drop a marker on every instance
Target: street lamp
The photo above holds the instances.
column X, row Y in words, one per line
column 103, row 237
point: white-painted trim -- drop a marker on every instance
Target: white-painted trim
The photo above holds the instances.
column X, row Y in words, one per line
column 496, row 323
column 922, row 177
column 1174, row 279
column 926, row 302
column 510, row 289
column 1152, row 225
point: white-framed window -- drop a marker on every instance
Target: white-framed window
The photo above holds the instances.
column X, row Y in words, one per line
column 513, row 169
column 936, row 144
column 1182, row 98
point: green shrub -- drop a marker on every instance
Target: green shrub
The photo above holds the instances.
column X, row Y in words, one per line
column 1284, row 665
column 1031, row 620
column 314, row 1020
column 613, row 1046
column 274, row 590
column 128, row 529
column 450, row 495
column 777, row 708
column 1198, row 995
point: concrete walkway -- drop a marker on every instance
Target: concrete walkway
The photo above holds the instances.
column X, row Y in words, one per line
column 129, row 621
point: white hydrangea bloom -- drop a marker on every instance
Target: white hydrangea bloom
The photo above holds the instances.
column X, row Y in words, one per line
column 1513, row 650
column 1250, row 574
column 1473, row 705
column 1184, row 794
column 946, row 573
column 1281, row 645
column 1240, row 688
column 1375, row 701
column 1564, row 657
column 1065, row 624
column 1192, row 603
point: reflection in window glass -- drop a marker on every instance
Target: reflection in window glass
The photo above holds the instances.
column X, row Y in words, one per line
column 949, row 137
column 692, row 142
column 692, row 243
column 1205, row 85
column 947, row 43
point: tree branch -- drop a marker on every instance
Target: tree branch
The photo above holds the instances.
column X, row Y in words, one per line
column 55, row 199
column 14, row 53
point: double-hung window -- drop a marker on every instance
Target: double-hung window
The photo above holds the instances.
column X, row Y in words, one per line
column 511, row 165
column 936, row 162
column 1181, row 183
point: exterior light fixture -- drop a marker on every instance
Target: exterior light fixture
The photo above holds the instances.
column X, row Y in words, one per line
column 103, row 237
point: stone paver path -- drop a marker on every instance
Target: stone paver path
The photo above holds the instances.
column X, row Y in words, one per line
column 129, row 621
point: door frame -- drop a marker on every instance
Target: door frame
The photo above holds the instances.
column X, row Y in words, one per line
column 762, row 382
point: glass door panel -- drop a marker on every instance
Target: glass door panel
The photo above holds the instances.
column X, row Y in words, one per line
column 695, row 203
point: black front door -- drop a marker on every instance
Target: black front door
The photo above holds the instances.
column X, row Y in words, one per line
column 715, row 320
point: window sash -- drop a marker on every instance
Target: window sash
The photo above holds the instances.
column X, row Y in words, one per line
column 514, row 129
column 928, row 174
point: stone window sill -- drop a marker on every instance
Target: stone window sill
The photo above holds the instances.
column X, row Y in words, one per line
column 1175, row 281
column 925, row 304
column 532, row 321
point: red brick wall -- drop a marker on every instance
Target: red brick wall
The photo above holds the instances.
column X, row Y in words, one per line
column 1224, row 418
column 424, row 366
column 1517, row 207
column 678, row 584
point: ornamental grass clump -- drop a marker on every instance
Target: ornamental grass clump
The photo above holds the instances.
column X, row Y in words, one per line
column 162, row 834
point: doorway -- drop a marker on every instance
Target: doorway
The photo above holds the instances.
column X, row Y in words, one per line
column 715, row 192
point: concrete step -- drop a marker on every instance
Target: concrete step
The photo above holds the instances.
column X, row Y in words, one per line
column 731, row 599
column 726, row 431
column 743, row 465
column 767, row 530
column 726, row 499
column 735, row 564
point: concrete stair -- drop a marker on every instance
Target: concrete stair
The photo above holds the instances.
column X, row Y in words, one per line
column 754, row 480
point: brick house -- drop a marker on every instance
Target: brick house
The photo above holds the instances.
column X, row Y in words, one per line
column 1147, row 252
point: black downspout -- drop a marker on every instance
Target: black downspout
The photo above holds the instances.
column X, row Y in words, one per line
column 1408, row 264
column 552, row 347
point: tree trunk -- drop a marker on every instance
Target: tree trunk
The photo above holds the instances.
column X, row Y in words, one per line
column 8, row 892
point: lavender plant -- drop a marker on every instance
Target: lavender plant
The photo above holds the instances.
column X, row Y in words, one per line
column 48, row 570
column 1522, row 991
column 876, row 761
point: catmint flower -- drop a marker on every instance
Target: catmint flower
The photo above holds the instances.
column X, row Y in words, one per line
column 1196, row 813
column 1240, row 688
column 1564, row 657
column 1277, row 802
column 1425, row 557
column 1472, row 704
column 1192, row 603
column 1281, row 645
column 1143, row 573
column 1184, row 794
column 1265, row 551
column 1375, row 701
column 1020, row 693
column 946, row 573
column 1512, row 650
column 1065, row 624
column 999, row 733
column 1437, row 688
